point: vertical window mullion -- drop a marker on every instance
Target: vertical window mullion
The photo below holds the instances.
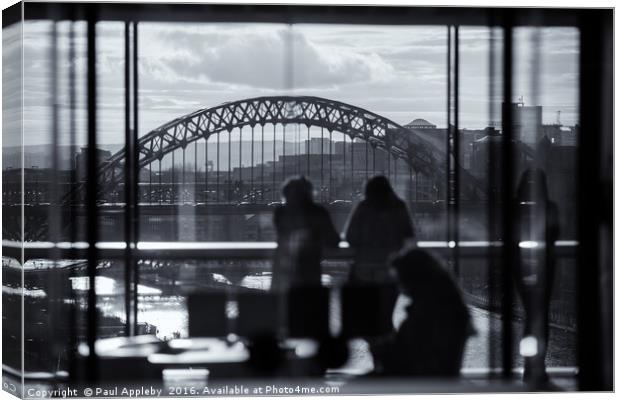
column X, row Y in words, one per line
column 91, row 194
column 71, row 216
column 136, row 175
column 456, row 156
column 452, row 147
column 508, row 248
column 128, row 184
column 492, row 199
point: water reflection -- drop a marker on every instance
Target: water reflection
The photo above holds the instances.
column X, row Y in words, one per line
column 108, row 287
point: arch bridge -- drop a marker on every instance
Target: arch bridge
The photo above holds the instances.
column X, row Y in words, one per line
column 379, row 132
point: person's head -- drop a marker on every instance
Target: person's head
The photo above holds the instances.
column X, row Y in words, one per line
column 297, row 190
column 420, row 274
column 378, row 189
column 432, row 289
column 532, row 185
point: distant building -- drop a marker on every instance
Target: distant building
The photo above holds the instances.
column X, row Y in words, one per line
column 467, row 138
column 210, row 166
column 568, row 136
column 420, row 123
column 437, row 138
column 480, row 155
column 527, row 123
column 81, row 159
column 317, row 146
column 341, row 147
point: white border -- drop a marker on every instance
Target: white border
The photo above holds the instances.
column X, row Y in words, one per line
column 459, row 3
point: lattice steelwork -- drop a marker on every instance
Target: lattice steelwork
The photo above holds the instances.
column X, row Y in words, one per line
column 331, row 115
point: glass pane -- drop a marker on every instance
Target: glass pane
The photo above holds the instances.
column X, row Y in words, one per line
column 12, row 195
column 278, row 156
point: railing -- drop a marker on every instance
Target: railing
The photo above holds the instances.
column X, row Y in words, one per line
column 243, row 250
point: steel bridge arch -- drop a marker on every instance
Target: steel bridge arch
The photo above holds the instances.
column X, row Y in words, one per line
column 332, row 115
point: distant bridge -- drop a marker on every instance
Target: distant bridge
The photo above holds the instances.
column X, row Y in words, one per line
column 355, row 122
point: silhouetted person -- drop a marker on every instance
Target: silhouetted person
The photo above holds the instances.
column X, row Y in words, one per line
column 266, row 356
column 537, row 231
column 333, row 352
column 431, row 340
column 378, row 227
column 303, row 228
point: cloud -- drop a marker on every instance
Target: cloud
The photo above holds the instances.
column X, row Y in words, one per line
column 261, row 59
column 396, row 71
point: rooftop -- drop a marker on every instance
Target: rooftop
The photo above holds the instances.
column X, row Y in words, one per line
column 420, row 123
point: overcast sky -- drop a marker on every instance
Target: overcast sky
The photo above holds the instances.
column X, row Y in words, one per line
column 398, row 72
